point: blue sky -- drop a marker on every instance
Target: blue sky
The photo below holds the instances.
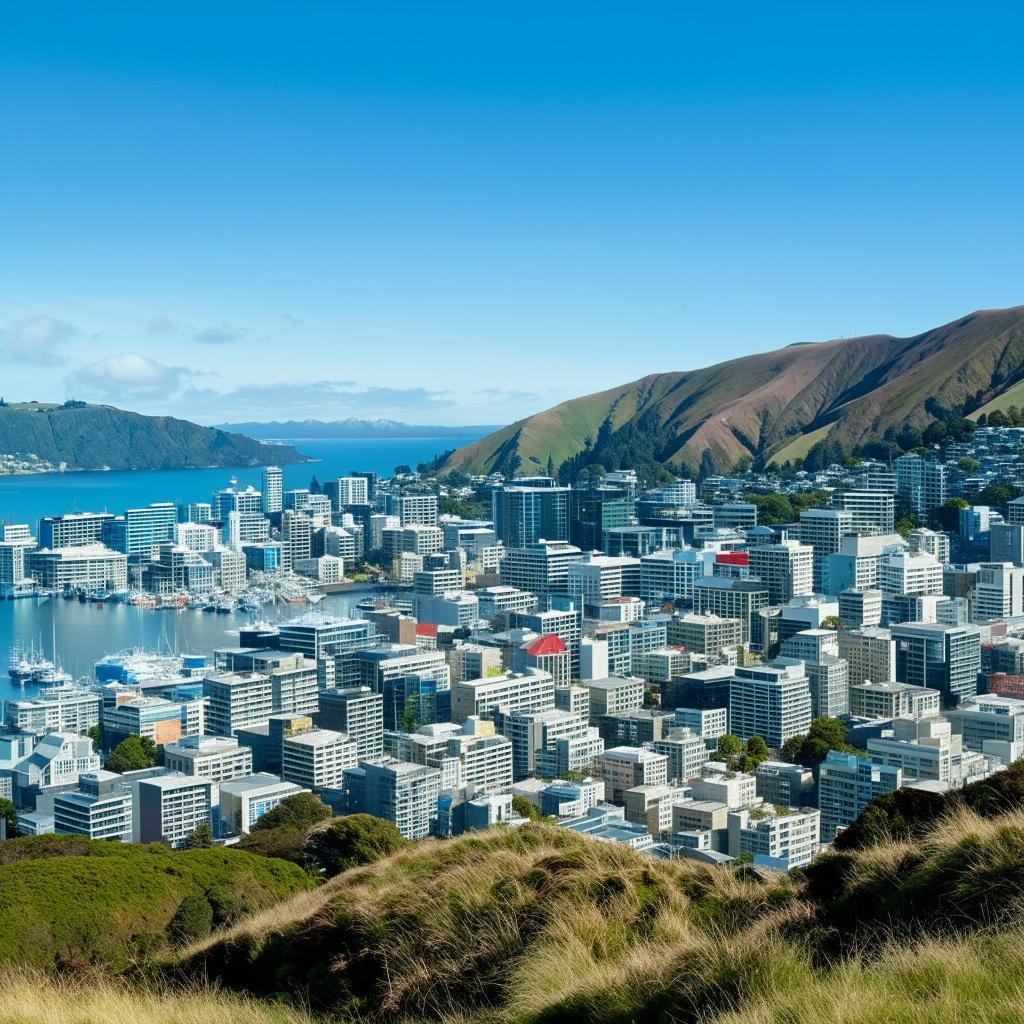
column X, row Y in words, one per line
column 465, row 213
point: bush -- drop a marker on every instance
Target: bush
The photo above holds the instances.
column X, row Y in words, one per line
column 283, row 843
column 300, row 812
column 350, row 841
column 192, row 920
column 95, row 902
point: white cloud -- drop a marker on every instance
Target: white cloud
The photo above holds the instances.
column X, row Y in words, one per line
column 219, row 334
column 128, row 375
column 37, row 340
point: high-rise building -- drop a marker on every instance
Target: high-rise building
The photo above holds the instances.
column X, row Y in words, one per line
column 217, row 758
column 922, row 483
column 870, row 654
column 272, row 495
column 402, row 793
column 771, row 701
column 786, row 569
column 139, row 530
column 359, row 713
column 415, row 509
column 317, row 758
column 237, row 700
column 824, row 529
column 541, row 567
column 730, row 599
column 595, row 510
column 998, row 591
column 525, row 513
column 940, row 657
column 873, row 512
column 101, row 808
column 353, row 490
column 496, row 696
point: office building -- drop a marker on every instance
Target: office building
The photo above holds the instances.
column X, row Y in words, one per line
column 940, row 657
column 922, row 483
column 869, row 653
column 991, row 725
column 885, row 700
column 596, row 509
column 272, row 493
column 540, row 567
column 101, row 808
column 784, row 784
column 779, row 841
column 56, row 709
column 169, row 808
column 669, row 575
column 872, row 512
column 998, row 592
column 686, row 750
column 358, row 712
column 525, row 513
column 771, row 701
column 317, row 759
column 730, row 599
column 243, row 801
column 404, row 794
column 823, row 530
column 614, row 696
column 155, row 718
column 846, row 785
column 237, row 700
column 623, row 768
column 498, row 696
column 89, row 566
column 786, row 569
column 704, row 634
column 217, row 758
column 73, row 529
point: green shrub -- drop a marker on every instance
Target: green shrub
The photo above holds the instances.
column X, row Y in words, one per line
column 350, row 841
column 192, row 920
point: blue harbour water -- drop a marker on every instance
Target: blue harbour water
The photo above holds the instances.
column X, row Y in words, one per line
column 80, row 634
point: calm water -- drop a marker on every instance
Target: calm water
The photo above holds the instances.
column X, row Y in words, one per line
column 84, row 633
column 81, row 634
column 24, row 499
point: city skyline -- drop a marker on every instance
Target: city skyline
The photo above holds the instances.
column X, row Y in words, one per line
column 460, row 217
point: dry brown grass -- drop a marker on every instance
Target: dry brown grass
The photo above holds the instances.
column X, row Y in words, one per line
column 30, row 997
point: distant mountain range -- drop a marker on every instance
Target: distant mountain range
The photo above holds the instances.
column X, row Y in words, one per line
column 352, row 428
column 101, row 437
column 777, row 406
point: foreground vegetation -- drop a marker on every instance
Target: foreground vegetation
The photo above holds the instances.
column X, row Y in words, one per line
column 915, row 917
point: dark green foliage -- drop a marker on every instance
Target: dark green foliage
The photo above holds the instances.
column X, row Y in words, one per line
column 98, row 436
column 201, row 838
column 825, row 734
column 526, row 808
column 997, row 494
column 10, row 816
column 909, row 814
column 192, row 920
column 88, row 901
column 300, row 812
column 350, row 841
column 284, row 843
column 132, row 754
column 465, row 508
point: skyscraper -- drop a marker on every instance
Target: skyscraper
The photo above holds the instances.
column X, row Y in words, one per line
column 273, row 490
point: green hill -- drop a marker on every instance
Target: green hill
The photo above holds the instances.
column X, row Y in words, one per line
column 918, row 918
column 102, row 437
column 855, row 391
column 68, row 901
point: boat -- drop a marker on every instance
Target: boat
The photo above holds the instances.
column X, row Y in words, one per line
column 27, row 665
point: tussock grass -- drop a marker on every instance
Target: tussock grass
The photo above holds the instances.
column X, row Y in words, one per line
column 511, row 922
column 31, row 997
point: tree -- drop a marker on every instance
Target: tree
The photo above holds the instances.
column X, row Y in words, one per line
column 772, row 509
column 93, row 732
column 132, row 754
column 729, row 750
column 968, row 465
column 201, row 838
column 526, row 808
column 10, row 816
column 551, row 466
column 905, row 524
column 757, row 748
column 350, row 841
column 299, row 812
column 825, row 734
column 831, row 622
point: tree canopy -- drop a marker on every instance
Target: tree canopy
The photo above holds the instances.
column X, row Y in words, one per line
column 349, row 841
column 132, row 754
column 299, row 812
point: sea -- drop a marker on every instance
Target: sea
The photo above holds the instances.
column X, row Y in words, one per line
column 78, row 635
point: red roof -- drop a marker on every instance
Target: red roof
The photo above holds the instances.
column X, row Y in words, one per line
column 733, row 558
column 547, row 644
column 426, row 629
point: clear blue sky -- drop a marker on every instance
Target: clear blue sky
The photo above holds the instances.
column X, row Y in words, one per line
column 464, row 213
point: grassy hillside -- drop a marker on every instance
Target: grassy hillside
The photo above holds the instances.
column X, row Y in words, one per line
column 69, row 901
column 918, row 919
column 99, row 436
column 856, row 390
